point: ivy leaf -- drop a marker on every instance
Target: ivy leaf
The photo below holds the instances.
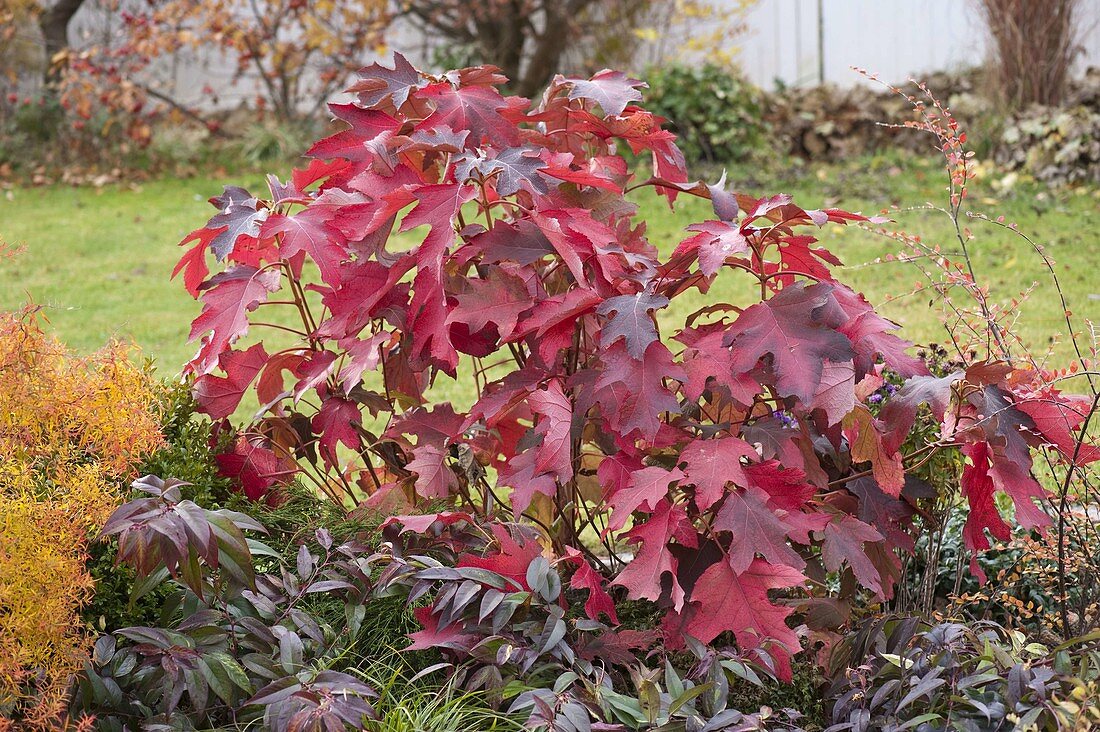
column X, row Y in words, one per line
column 612, row 90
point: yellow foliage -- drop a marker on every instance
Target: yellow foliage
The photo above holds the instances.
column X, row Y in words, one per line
column 71, row 432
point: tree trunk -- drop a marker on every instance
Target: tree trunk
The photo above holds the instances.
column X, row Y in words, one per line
column 54, row 24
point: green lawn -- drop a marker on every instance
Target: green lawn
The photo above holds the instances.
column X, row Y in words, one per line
column 99, row 259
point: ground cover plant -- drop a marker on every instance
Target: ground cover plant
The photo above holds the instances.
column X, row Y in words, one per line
column 741, row 471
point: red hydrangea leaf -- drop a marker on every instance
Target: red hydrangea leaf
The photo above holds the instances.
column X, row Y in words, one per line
column 432, row 636
column 978, row 488
column 227, row 299
column 366, row 290
column 240, row 216
column 378, row 84
column 554, row 452
column 254, row 467
column 586, row 578
column 836, row 392
column 844, row 542
column 791, row 328
column 219, row 396
column 362, row 356
column 434, row 478
column 511, row 559
column 193, row 262
column 597, row 173
column 797, row 257
column 437, row 207
column 871, row 335
column 335, row 423
column 754, row 529
column 646, row 488
column 730, row 601
column 709, row 364
column 500, row 299
column 630, row 317
column 710, row 464
column 477, row 108
column 517, row 168
column 366, row 139
column 269, row 387
column 867, row 445
column 555, row 310
column 612, row 90
column 1007, row 430
column 644, row 577
column 420, row 523
column 1057, row 416
column 525, row 480
column 309, row 231
column 521, row 242
column 900, row 411
column 632, row 394
column 715, row 242
column 317, row 170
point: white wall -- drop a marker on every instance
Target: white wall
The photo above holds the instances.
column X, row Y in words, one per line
column 893, row 38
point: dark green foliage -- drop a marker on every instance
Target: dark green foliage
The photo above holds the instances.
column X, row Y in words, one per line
column 715, row 113
column 896, row 674
column 188, row 454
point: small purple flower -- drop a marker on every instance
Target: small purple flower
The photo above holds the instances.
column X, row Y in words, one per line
column 875, row 398
column 891, row 390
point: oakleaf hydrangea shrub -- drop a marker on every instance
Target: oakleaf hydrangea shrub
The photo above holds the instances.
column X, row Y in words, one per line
column 740, row 466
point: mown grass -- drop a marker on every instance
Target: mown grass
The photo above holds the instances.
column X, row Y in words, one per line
column 98, row 260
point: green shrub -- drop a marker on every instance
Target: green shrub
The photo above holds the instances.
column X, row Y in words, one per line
column 715, row 113
column 900, row 673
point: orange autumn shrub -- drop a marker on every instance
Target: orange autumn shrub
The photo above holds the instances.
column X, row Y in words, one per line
column 72, row 431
